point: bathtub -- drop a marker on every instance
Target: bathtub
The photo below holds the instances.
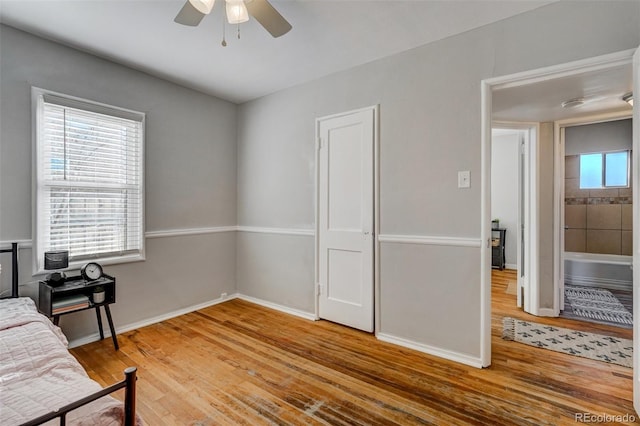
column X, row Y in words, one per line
column 600, row 270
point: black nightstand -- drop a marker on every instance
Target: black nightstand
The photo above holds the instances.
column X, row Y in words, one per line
column 497, row 248
column 76, row 295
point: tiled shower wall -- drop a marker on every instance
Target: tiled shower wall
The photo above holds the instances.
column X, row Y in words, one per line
column 596, row 220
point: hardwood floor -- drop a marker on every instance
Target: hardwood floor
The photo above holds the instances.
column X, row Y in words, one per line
column 239, row 363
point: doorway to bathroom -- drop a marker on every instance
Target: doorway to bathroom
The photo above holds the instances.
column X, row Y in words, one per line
column 537, row 96
column 595, row 247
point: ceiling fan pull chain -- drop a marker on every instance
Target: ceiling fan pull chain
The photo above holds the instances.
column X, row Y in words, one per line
column 224, row 41
column 238, row 31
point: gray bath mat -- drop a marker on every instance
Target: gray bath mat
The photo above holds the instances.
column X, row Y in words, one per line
column 596, row 305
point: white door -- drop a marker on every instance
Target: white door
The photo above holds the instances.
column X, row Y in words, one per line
column 520, row 225
column 528, row 277
column 636, row 240
column 345, row 218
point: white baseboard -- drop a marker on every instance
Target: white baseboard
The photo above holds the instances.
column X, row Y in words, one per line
column 149, row 321
column 431, row 350
column 281, row 308
column 511, row 266
column 153, row 320
column 87, row 339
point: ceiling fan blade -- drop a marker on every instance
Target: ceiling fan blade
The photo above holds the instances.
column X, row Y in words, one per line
column 189, row 15
column 268, row 17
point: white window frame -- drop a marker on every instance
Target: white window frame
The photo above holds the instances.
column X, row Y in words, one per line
column 37, row 94
column 604, row 169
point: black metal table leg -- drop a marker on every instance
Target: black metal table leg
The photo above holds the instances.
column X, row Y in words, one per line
column 113, row 330
column 99, row 322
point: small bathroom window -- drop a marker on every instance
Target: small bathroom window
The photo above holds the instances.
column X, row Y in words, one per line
column 604, row 170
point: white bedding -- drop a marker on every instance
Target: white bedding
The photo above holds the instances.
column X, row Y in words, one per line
column 39, row 375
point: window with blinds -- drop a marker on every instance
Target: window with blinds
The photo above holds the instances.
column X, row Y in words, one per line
column 89, row 195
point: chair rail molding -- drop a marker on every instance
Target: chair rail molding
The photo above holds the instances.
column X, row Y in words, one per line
column 307, row 232
column 189, row 231
column 166, row 233
column 430, row 240
column 22, row 244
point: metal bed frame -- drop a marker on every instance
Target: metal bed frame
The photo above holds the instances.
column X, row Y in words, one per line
column 128, row 383
column 14, row 268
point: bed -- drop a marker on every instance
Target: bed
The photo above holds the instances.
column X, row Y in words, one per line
column 42, row 383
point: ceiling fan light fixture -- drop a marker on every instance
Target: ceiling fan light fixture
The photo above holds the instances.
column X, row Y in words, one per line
column 236, row 12
column 203, row 6
column 628, row 98
column 573, row 103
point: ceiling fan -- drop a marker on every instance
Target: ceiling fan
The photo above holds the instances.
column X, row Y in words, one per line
column 238, row 11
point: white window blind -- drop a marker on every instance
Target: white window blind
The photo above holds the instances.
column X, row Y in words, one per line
column 89, row 179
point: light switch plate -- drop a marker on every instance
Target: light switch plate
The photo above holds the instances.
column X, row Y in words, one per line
column 464, row 179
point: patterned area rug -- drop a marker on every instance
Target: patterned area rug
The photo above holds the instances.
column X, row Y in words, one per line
column 596, row 304
column 572, row 342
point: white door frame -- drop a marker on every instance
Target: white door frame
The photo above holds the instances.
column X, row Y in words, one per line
column 635, row 159
column 486, row 88
column 376, row 210
column 558, row 194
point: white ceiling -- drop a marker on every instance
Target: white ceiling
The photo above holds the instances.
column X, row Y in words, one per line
column 602, row 91
column 327, row 36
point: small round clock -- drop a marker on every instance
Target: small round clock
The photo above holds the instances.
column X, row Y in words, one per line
column 91, row 271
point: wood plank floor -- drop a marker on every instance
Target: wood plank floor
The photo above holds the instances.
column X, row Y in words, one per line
column 238, row 363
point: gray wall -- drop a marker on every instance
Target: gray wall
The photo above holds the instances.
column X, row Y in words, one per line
column 190, row 175
column 430, row 128
column 429, row 101
column 505, row 158
column 277, row 268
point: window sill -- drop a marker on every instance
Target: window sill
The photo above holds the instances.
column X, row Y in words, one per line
column 76, row 265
